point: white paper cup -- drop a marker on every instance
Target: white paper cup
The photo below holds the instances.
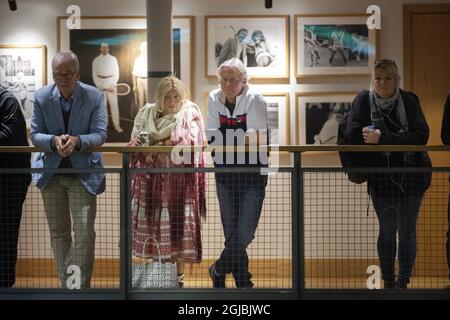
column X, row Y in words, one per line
column 144, row 137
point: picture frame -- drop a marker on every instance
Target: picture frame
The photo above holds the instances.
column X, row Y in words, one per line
column 278, row 119
column 203, row 105
column 317, row 116
column 125, row 36
column 334, row 45
column 263, row 44
column 23, row 70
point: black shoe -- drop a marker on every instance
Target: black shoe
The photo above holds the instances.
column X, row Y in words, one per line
column 242, row 279
column 389, row 281
column 244, row 284
column 402, row 283
column 218, row 281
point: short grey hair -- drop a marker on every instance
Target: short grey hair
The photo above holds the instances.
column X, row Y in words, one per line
column 66, row 56
column 236, row 64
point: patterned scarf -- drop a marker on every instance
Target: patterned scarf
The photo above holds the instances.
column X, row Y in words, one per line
column 159, row 127
column 378, row 104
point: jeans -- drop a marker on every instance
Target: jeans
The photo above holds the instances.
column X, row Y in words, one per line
column 13, row 191
column 68, row 205
column 397, row 213
column 240, row 198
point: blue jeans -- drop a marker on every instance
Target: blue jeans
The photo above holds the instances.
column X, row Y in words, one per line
column 397, row 213
column 240, row 198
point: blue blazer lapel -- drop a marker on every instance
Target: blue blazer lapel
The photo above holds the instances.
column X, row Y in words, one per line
column 55, row 108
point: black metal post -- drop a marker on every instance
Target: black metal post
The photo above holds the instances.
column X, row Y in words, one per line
column 298, row 261
column 125, row 202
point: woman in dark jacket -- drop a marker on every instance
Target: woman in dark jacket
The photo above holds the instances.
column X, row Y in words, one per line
column 391, row 116
column 13, row 186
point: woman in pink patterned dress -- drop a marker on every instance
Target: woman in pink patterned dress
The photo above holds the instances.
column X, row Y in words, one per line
column 168, row 207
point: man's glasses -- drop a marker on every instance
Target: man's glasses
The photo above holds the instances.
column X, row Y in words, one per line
column 62, row 76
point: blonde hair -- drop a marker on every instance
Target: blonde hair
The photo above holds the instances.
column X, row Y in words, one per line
column 165, row 85
column 388, row 65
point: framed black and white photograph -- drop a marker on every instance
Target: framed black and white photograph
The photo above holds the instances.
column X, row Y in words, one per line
column 333, row 44
column 125, row 39
column 318, row 116
column 261, row 42
column 23, row 70
column 278, row 118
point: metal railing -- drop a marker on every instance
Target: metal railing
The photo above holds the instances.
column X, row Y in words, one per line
column 311, row 265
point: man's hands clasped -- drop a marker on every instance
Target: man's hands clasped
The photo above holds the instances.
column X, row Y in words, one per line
column 65, row 144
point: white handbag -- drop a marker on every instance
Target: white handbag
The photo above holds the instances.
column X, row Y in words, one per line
column 154, row 274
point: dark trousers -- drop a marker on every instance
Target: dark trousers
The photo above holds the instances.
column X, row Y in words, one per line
column 397, row 213
column 13, row 190
column 448, row 236
column 241, row 197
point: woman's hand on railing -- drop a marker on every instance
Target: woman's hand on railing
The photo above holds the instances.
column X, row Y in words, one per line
column 134, row 142
column 164, row 143
column 371, row 135
column 167, row 142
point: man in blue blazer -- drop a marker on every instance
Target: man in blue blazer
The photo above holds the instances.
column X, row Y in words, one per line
column 69, row 117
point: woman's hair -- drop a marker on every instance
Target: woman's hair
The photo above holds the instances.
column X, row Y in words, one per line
column 388, row 65
column 259, row 34
column 165, row 85
column 242, row 30
column 236, row 64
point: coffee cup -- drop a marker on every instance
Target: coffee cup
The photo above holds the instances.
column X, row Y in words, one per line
column 144, row 137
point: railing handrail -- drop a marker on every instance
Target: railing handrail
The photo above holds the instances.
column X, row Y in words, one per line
column 119, row 148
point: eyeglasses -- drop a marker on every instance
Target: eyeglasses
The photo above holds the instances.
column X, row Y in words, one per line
column 61, row 76
column 384, row 62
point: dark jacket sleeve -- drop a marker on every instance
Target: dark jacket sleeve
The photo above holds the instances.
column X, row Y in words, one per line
column 445, row 130
column 357, row 118
column 418, row 128
column 9, row 118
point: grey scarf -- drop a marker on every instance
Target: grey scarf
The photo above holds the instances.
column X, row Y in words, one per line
column 378, row 104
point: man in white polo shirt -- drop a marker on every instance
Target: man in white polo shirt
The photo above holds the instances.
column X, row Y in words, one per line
column 105, row 72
